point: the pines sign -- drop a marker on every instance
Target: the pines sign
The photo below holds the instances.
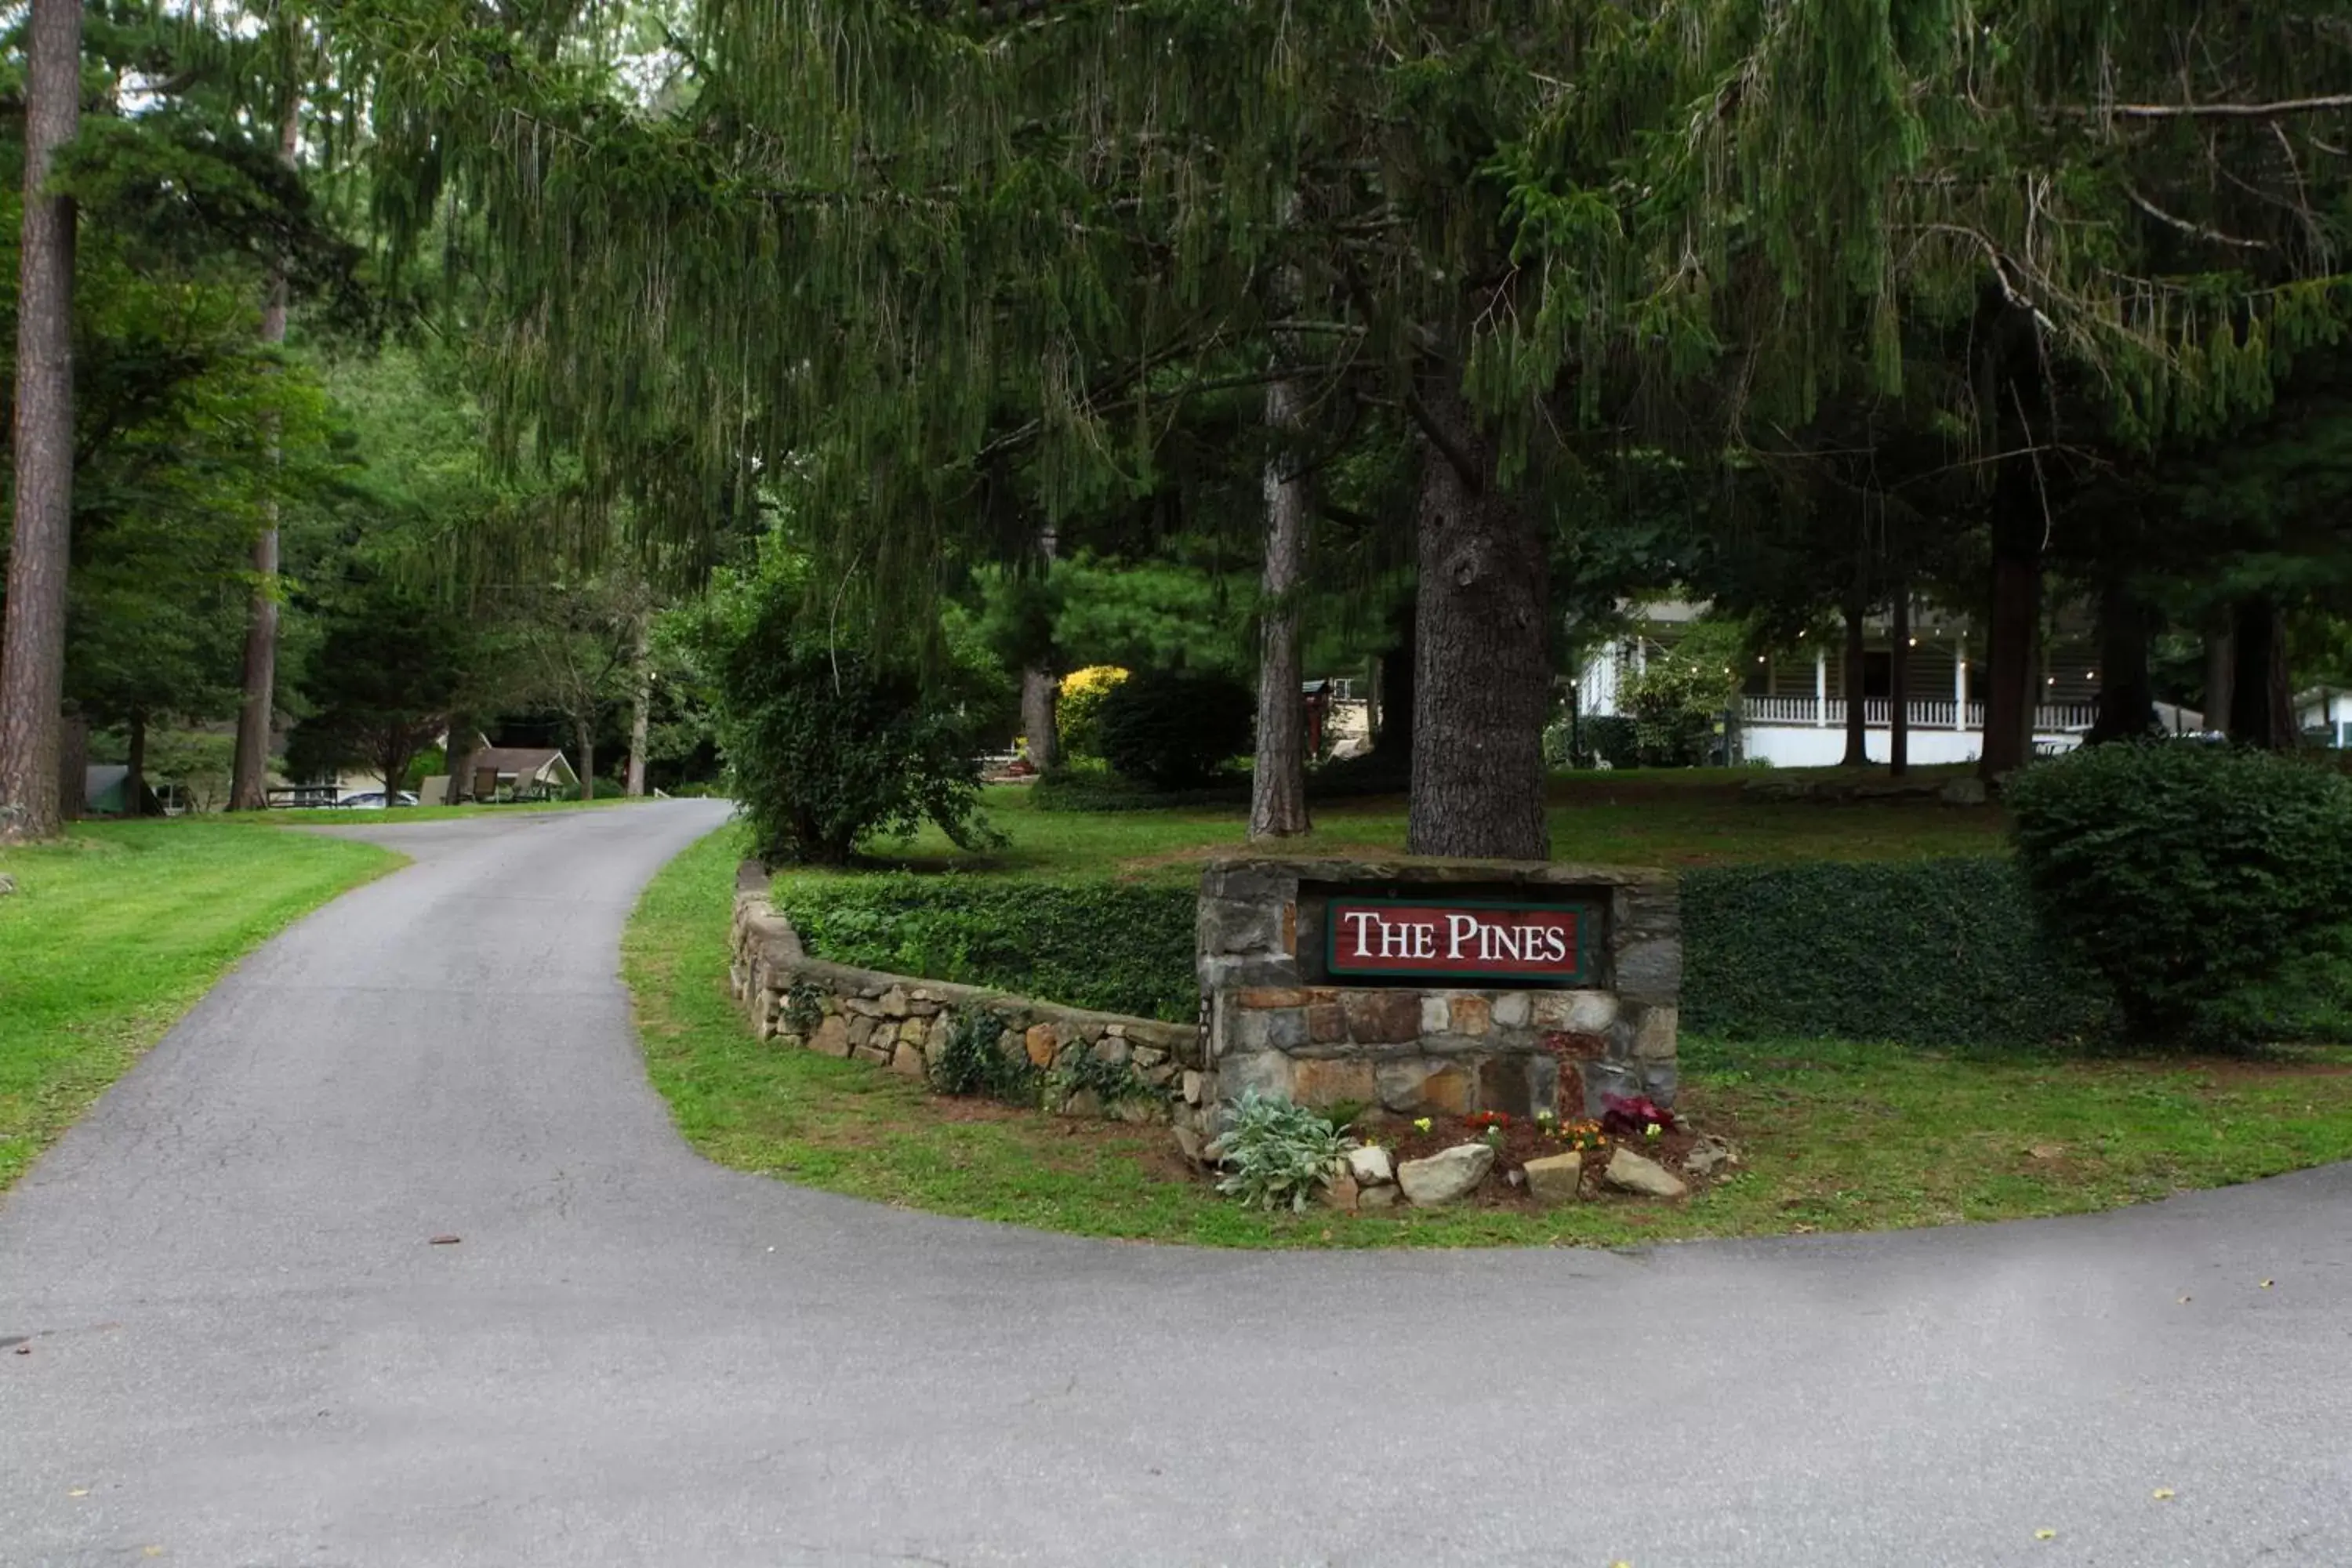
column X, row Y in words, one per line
column 1524, row 944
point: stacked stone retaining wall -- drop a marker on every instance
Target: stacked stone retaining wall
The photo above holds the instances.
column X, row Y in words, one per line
column 904, row 1022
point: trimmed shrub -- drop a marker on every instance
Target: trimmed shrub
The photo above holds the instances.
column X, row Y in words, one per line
column 828, row 744
column 2202, row 881
column 1078, row 711
column 1930, row 953
column 1926, row 953
column 1102, row 945
column 1173, row 730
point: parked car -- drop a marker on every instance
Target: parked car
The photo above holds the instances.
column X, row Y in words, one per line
column 372, row 800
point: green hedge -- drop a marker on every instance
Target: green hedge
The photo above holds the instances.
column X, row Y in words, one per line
column 1927, row 952
column 1936, row 952
column 1104, row 945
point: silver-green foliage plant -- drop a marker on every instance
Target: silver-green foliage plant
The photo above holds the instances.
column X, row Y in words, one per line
column 1277, row 1153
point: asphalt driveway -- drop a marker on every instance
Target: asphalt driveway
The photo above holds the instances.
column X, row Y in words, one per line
column 243, row 1347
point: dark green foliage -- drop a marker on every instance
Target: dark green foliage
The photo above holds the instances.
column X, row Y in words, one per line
column 1174, row 729
column 1926, row 953
column 1101, row 945
column 829, row 744
column 804, row 1009
column 2196, row 879
column 1930, row 953
column 972, row 1062
column 382, row 683
column 1084, row 789
column 1080, row 1072
column 1612, row 738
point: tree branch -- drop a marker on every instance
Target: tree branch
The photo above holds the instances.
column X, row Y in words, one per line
column 2214, row 111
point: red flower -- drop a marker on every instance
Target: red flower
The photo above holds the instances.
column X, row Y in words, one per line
column 1631, row 1115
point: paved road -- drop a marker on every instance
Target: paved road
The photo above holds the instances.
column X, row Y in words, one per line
column 244, row 1352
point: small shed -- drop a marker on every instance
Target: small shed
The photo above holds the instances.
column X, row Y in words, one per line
column 519, row 772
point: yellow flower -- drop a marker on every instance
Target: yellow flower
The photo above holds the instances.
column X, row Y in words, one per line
column 1422, row 1124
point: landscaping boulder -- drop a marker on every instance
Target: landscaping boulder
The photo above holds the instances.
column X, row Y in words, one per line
column 1446, row 1176
column 1371, row 1166
column 1554, row 1180
column 1710, row 1154
column 1630, row 1173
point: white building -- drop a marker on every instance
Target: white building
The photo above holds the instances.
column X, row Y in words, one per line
column 1791, row 710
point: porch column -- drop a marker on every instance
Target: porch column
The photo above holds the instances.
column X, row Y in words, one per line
column 1821, row 688
column 1959, row 685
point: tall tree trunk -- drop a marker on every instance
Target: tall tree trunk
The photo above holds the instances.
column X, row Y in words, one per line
column 587, row 728
column 32, row 644
column 2261, row 707
column 398, row 750
column 2126, row 692
column 1857, row 663
column 1040, row 688
column 2012, row 684
column 459, row 756
column 249, row 788
column 2221, row 667
column 1278, row 784
column 1898, row 683
column 1482, row 681
column 641, row 707
column 134, row 777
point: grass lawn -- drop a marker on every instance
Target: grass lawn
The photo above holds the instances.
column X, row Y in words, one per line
column 1672, row 817
column 1837, row 1136
column 113, row 933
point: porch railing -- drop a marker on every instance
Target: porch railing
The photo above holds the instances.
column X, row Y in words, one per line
column 1877, row 713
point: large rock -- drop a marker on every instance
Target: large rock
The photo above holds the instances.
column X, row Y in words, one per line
column 831, row 1035
column 1554, row 1179
column 1710, row 1154
column 1446, row 1176
column 1371, row 1166
column 1630, row 1173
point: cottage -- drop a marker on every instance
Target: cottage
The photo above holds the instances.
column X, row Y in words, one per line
column 517, row 772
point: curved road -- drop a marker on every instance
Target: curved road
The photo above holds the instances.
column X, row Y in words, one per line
column 244, row 1351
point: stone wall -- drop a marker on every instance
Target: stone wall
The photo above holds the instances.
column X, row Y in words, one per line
column 903, row 1022
column 1279, row 1025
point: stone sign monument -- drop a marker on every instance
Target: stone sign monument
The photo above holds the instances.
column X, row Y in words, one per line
column 1439, row 986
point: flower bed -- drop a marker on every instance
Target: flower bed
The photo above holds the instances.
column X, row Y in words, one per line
column 1273, row 1154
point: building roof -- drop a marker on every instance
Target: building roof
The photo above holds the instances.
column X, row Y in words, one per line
column 522, row 761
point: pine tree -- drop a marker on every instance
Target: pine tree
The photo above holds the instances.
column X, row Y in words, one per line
column 33, row 653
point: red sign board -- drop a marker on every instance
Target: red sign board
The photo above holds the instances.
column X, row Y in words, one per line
column 1528, row 944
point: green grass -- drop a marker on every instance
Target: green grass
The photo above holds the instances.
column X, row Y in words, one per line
column 1838, row 1137
column 114, row 933
column 1672, row 817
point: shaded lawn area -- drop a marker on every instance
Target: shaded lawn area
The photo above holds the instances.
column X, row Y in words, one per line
column 1672, row 817
column 1837, row 1136
column 113, row 933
